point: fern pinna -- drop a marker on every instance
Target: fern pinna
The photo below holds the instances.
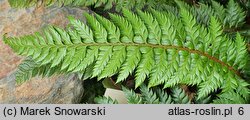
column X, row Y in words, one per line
column 158, row 48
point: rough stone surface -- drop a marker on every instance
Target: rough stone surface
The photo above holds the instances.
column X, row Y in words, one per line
column 65, row 90
column 16, row 22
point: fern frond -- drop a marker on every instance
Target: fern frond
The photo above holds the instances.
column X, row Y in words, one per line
column 138, row 26
column 125, row 27
column 243, row 90
column 132, row 61
column 203, row 13
column 105, row 100
column 151, row 96
column 240, row 58
column 232, row 16
column 107, row 4
column 164, row 98
column 219, row 10
column 235, row 15
column 205, row 100
column 132, row 97
column 171, row 53
column 229, row 97
column 145, row 66
column 148, row 96
column 179, row 96
column 182, row 4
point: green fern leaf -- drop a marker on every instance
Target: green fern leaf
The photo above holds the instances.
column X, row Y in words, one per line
column 243, row 89
column 154, row 31
column 205, row 100
column 68, row 57
column 179, row 96
column 210, row 85
column 240, row 58
column 229, row 97
column 102, row 59
column 107, row 4
column 91, row 55
column 157, row 76
column 220, row 11
column 29, row 68
column 25, row 70
column 191, row 29
column 235, row 15
column 133, row 59
column 139, row 28
column 145, row 66
column 83, row 30
column 77, row 58
column 168, row 31
column 173, row 60
column 182, row 4
column 125, row 27
column 113, row 31
column 100, row 32
column 178, row 50
column 148, row 96
column 115, row 62
column 164, row 98
column 105, row 100
column 132, row 97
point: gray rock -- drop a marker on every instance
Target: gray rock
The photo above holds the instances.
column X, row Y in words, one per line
column 65, row 89
column 6, row 91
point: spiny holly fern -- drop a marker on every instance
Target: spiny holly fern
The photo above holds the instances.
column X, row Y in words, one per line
column 149, row 96
column 155, row 96
column 108, row 4
column 156, row 47
column 232, row 15
column 105, row 100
